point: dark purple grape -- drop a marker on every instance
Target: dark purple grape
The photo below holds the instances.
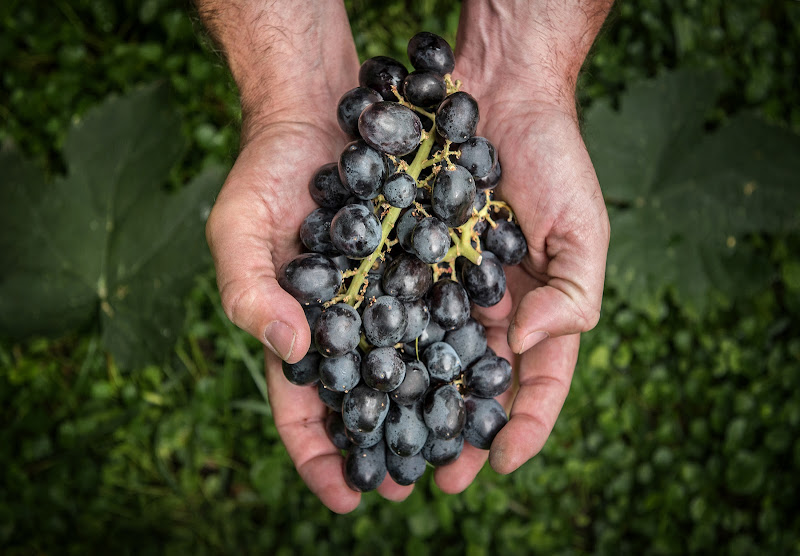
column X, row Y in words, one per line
column 440, row 451
column 428, row 51
column 400, row 190
column 341, row 374
column 381, row 73
column 330, row 398
column 478, row 156
column 479, row 202
column 491, row 180
column 407, row 278
column 430, row 240
column 485, row 418
column 485, row 283
column 373, row 290
column 315, row 232
column 338, row 330
column 305, row 371
column 312, row 313
column 424, row 88
column 310, row 278
column 444, row 411
column 385, row 321
column 382, row 369
column 457, row 117
column 453, row 195
column 365, row 439
column 365, row 468
column 355, row 231
column 418, row 317
column 327, row 189
column 390, row 128
column 337, row 432
column 414, row 384
column 433, row 333
column 507, row 241
column 364, row 408
column 404, row 429
column 449, row 304
column 362, row 169
column 442, row 362
column 405, row 471
column 469, row 341
column 488, row 377
column 405, row 226
column 350, row 106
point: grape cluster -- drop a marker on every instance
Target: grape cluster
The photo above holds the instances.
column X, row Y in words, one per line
column 407, row 236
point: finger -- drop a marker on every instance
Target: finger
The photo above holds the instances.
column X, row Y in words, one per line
column 300, row 420
column 246, row 276
column 544, row 378
column 457, row 476
column 394, row 492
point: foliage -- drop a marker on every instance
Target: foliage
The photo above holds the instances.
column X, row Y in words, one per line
column 685, row 199
column 105, row 236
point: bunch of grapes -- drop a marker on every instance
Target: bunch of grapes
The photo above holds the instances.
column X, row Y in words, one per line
column 407, row 236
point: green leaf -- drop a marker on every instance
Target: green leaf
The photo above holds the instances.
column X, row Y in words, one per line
column 105, row 242
column 682, row 200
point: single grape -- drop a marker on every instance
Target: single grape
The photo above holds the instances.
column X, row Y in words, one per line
column 414, row 385
column 405, row 471
column 341, row 374
column 485, row 418
column 364, row 408
column 442, row 362
column 485, row 283
column 469, row 341
column 390, row 128
column 453, row 195
column 491, row 180
column 362, row 169
column 310, row 278
column 312, row 313
column 407, row 278
column 444, row 411
column 350, row 106
column 337, row 432
column 418, row 317
column 326, row 188
column 432, row 333
column 507, row 241
column 424, row 88
column 488, row 377
column 441, row 451
column 315, row 232
column 383, row 369
column 365, row 468
column 330, row 398
column 373, row 291
column 365, row 439
column 404, row 429
column 384, row 321
column 449, row 304
column 428, row 51
column 457, row 117
column 400, row 190
column 381, row 73
column 355, row 231
column 430, row 240
column 404, row 227
column 338, row 330
column 305, row 371
column 477, row 155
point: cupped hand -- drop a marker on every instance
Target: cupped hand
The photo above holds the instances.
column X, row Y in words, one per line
column 555, row 293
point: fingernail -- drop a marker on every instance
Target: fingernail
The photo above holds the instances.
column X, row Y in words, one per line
column 279, row 337
column 532, row 339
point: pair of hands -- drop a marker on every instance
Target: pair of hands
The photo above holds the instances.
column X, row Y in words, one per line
column 552, row 296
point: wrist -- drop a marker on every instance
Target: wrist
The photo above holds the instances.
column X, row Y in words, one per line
column 527, row 49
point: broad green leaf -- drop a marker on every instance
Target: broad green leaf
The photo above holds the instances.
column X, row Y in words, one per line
column 683, row 199
column 105, row 241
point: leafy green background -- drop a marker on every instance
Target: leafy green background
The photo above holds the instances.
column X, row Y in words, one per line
column 680, row 431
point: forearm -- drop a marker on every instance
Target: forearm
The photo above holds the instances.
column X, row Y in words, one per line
column 282, row 51
column 542, row 43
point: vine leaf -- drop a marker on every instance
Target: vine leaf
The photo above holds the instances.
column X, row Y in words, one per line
column 105, row 243
column 682, row 198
